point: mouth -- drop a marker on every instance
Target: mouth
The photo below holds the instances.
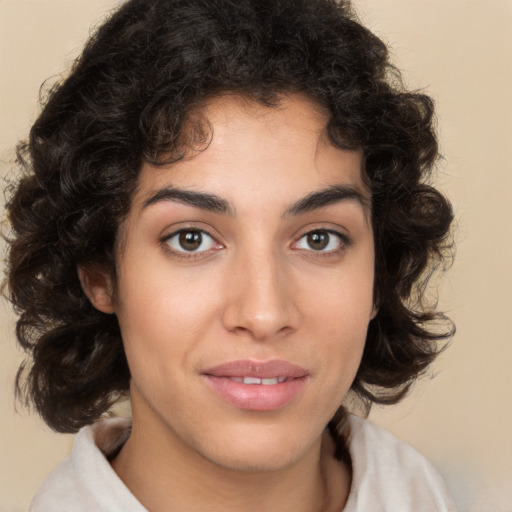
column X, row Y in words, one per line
column 256, row 380
column 257, row 386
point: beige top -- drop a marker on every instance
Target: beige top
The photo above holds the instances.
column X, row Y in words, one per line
column 388, row 475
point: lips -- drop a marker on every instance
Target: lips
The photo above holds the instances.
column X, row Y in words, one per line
column 257, row 386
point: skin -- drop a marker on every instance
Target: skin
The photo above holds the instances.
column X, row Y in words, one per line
column 255, row 289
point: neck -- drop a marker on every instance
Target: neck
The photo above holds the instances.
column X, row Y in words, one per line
column 166, row 476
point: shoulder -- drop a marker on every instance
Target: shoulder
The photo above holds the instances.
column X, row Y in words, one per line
column 388, row 474
column 85, row 481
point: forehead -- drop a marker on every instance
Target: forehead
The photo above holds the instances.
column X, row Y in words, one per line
column 282, row 151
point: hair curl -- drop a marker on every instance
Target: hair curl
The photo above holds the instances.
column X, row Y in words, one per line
column 127, row 100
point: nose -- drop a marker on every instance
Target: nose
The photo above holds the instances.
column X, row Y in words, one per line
column 261, row 302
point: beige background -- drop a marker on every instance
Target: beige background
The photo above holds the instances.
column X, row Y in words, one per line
column 462, row 52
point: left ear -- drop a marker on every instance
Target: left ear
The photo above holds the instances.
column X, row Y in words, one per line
column 98, row 286
column 374, row 312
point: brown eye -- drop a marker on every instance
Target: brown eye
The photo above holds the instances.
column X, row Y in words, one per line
column 318, row 240
column 322, row 240
column 190, row 240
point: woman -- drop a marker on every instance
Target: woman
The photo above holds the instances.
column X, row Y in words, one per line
column 225, row 217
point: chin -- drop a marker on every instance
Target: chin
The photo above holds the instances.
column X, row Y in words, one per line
column 249, row 462
column 266, row 450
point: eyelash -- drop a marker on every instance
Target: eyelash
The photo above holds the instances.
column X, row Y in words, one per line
column 343, row 242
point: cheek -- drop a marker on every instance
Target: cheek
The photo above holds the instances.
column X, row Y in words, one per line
column 340, row 312
column 162, row 315
column 343, row 301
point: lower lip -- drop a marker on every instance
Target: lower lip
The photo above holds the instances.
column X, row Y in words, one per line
column 256, row 397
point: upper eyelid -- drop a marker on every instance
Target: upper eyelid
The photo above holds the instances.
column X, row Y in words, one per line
column 344, row 238
column 322, row 227
column 327, row 230
column 164, row 239
column 190, row 227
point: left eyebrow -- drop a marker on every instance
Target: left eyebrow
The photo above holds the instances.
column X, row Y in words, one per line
column 326, row 197
column 208, row 202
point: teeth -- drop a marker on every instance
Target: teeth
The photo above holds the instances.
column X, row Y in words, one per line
column 252, row 380
column 257, row 380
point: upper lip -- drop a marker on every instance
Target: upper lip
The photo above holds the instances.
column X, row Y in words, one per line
column 260, row 369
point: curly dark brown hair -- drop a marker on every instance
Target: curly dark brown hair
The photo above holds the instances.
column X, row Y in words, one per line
column 127, row 100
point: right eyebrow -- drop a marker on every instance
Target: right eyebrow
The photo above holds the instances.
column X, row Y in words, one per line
column 329, row 195
column 208, row 202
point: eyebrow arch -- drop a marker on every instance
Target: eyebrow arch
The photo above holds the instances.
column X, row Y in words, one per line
column 208, row 202
column 326, row 197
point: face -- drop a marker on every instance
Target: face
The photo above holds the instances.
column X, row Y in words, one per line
column 244, row 287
